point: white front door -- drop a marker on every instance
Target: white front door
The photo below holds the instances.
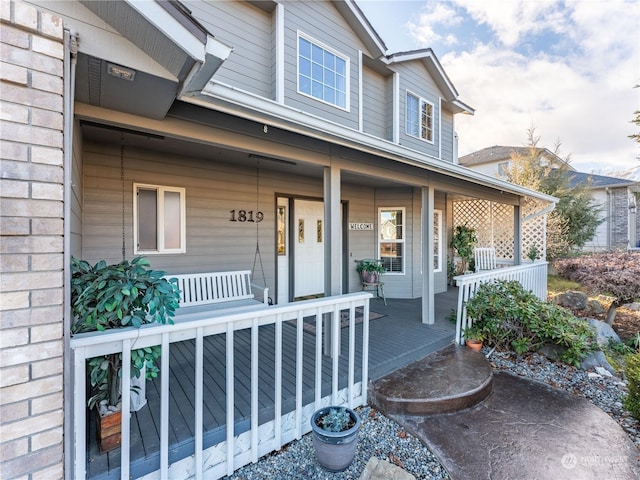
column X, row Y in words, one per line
column 308, row 243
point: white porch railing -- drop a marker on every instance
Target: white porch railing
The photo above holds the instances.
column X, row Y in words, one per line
column 236, row 450
column 532, row 276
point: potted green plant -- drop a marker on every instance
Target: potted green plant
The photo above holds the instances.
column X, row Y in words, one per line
column 104, row 297
column 335, row 436
column 473, row 337
column 533, row 253
column 370, row 270
column 463, row 241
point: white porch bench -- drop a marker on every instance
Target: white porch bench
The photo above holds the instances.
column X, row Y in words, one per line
column 219, row 290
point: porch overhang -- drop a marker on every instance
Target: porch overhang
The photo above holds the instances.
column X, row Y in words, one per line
column 245, row 105
column 172, row 53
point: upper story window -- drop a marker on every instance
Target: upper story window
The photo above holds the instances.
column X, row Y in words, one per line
column 159, row 219
column 419, row 117
column 322, row 73
column 503, row 169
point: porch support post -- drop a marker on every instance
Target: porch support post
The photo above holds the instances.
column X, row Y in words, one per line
column 517, row 234
column 332, row 232
column 428, row 298
column 332, row 246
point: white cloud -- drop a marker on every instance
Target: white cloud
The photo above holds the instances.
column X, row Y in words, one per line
column 579, row 91
column 510, row 20
column 423, row 30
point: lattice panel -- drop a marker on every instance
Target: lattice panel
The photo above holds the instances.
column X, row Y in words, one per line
column 534, row 232
column 502, row 226
column 474, row 214
column 493, row 223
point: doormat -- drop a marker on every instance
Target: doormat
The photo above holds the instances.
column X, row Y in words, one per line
column 309, row 326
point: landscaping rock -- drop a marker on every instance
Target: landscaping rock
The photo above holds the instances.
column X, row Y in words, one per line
column 596, row 359
column 594, row 307
column 603, row 371
column 635, row 306
column 377, row 469
column 571, row 299
column 604, row 332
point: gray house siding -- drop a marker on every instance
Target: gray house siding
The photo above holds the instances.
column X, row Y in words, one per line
column 213, row 189
column 619, row 218
column 375, row 102
column 250, row 65
column 447, row 126
column 414, row 78
column 324, row 24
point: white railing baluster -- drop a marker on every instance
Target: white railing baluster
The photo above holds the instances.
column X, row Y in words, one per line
column 278, row 384
column 352, row 353
column 365, row 353
column 532, row 276
column 230, row 398
column 164, row 407
column 319, row 334
column 336, row 328
column 254, row 389
column 299, row 371
column 125, row 407
column 199, row 401
column 215, row 462
column 79, row 412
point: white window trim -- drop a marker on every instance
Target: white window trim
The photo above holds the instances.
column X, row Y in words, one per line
column 403, row 241
column 438, row 213
column 160, row 220
column 421, row 100
column 347, row 60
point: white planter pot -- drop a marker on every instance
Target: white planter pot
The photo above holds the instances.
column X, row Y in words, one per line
column 138, row 394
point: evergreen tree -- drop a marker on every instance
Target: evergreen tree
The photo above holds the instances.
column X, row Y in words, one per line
column 576, row 216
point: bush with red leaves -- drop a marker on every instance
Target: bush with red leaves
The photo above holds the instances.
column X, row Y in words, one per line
column 615, row 273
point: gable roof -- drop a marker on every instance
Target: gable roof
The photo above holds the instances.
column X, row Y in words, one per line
column 433, row 66
column 503, row 153
column 591, row 180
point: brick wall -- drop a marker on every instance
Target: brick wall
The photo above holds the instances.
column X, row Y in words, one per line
column 31, row 229
column 619, row 218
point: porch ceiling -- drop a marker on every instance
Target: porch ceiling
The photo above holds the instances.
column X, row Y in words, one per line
column 106, row 134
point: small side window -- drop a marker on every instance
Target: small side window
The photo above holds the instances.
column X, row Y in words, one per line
column 159, row 219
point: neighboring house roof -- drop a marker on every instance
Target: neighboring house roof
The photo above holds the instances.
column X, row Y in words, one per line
column 503, row 153
column 598, row 181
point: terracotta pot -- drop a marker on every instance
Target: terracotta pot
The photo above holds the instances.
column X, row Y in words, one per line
column 108, row 429
column 475, row 345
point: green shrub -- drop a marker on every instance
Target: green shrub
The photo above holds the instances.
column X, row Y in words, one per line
column 510, row 317
column 632, row 372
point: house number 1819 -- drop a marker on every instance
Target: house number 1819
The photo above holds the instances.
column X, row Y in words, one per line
column 244, row 216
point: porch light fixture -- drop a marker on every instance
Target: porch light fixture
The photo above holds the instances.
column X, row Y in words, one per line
column 632, row 206
column 121, row 72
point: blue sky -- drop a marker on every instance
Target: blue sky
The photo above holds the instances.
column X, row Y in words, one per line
column 567, row 68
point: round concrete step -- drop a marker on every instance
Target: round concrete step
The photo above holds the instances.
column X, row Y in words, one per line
column 445, row 381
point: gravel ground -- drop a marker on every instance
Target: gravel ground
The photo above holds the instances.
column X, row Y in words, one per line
column 385, row 439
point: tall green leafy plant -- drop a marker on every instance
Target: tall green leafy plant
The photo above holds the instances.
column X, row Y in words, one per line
column 127, row 294
column 509, row 317
column 463, row 241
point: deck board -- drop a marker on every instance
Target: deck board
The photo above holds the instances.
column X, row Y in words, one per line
column 396, row 339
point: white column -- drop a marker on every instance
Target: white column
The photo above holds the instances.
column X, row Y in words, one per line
column 517, row 234
column 332, row 232
column 428, row 299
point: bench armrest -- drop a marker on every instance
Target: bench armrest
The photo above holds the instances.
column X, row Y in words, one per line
column 260, row 293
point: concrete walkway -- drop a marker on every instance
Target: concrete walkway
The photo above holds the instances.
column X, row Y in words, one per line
column 522, row 430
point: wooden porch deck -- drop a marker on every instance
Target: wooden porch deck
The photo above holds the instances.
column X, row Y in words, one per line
column 397, row 338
